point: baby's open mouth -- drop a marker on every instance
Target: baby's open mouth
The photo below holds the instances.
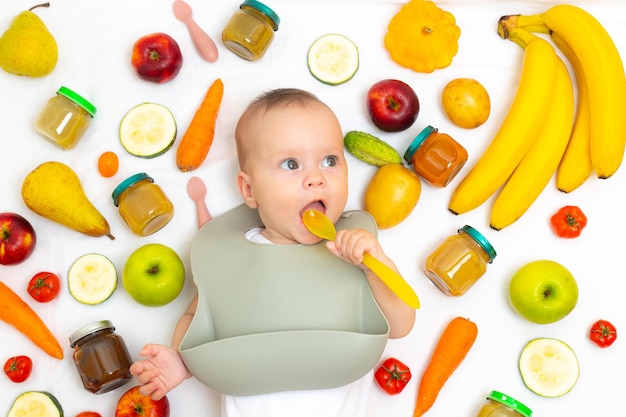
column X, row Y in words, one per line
column 315, row 205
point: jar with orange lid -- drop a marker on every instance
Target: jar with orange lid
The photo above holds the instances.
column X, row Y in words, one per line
column 250, row 30
column 501, row 405
column 142, row 204
column 435, row 156
column 459, row 261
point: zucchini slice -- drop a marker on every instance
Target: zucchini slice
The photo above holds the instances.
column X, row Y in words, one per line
column 148, row 130
column 333, row 59
column 36, row 404
column 92, row 278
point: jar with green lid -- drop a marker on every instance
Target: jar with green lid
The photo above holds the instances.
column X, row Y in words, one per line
column 142, row 204
column 65, row 118
column 101, row 357
column 459, row 261
column 250, row 30
column 501, row 405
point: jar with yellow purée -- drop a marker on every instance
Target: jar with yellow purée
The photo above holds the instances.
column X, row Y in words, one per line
column 459, row 261
column 142, row 204
column 436, row 156
column 65, row 118
column 101, row 357
column 250, row 30
column 501, row 405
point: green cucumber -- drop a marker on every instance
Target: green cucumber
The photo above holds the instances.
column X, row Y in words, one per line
column 36, row 404
column 370, row 149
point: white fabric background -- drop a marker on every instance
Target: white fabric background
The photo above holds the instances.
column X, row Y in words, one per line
column 95, row 40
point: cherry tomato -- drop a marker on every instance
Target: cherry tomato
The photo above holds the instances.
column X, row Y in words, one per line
column 44, row 286
column 18, row 368
column 88, row 414
column 568, row 222
column 108, row 164
column 392, row 376
column 603, row 333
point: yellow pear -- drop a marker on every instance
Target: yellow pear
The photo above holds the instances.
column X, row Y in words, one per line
column 27, row 47
column 53, row 190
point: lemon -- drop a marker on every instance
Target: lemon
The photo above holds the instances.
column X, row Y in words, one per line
column 549, row 367
column 466, row 102
column 148, row 130
column 392, row 194
column 92, row 278
column 333, row 59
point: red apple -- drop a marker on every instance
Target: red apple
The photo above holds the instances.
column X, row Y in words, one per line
column 156, row 57
column 133, row 404
column 17, row 238
column 392, row 105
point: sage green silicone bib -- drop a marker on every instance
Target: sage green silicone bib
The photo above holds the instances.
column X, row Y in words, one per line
column 276, row 318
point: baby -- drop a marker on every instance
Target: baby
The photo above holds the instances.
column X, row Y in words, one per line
column 291, row 157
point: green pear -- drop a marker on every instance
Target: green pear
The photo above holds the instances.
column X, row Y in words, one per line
column 27, row 47
column 53, row 190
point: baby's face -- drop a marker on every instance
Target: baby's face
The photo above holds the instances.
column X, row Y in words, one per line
column 297, row 162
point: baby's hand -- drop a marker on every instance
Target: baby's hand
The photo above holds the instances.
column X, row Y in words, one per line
column 352, row 244
column 161, row 371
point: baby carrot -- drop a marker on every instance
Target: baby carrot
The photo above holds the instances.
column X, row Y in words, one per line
column 454, row 343
column 198, row 138
column 18, row 314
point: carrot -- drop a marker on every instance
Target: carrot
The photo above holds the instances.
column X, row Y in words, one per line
column 197, row 140
column 456, row 340
column 18, row 314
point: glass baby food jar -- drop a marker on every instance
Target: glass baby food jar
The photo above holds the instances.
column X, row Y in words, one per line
column 501, row 405
column 459, row 261
column 142, row 204
column 435, row 156
column 65, row 118
column 101, row 357
column 250, row 30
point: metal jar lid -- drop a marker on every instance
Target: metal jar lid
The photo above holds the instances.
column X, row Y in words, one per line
column 481, row 240
column 89, row 329
column 266, row 10
column 78, row 99
column 133, row 179
column 510, row 402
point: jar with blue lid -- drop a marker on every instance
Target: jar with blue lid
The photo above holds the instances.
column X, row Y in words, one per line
column 459, row 261
column 142, row 204
column 502, row 405
column 250, row 30
column 65, row 118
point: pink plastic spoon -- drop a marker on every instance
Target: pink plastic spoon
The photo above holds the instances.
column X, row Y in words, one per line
column 203, row 42
column 197, row 192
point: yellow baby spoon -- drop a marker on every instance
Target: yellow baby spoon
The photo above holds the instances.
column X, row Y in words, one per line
column 321, row 226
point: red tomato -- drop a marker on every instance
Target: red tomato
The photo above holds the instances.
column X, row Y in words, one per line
column 603, row 333
column 108, row 164
column 18, row 368
column 568, row 222
column 392, row 376
column 44, row 286
column 88, row 414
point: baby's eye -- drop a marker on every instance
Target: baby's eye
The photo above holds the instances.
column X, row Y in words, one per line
column 330, row 161
column 289, row 164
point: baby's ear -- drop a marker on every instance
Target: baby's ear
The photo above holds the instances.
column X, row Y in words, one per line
column 245, row 189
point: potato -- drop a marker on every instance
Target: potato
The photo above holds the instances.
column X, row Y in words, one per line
column 466, row 102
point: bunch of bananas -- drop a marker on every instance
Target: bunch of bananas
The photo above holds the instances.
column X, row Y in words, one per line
column 546, row 131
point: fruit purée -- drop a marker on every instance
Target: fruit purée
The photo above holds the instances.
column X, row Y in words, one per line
column 65, row 118
column 101, row 357
column 435, row 156
column 142, row 204
column 459, row 261
column 250, row 30
column 501, row 405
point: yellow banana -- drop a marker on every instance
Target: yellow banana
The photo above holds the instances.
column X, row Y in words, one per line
column 542, row 159
column 604, row 74
column 576, row 166
column 523, row 121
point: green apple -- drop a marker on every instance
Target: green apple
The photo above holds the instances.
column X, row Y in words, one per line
column 543, row 291
column 153, row 275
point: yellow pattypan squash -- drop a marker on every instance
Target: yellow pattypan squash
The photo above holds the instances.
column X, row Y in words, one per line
column 423, row 37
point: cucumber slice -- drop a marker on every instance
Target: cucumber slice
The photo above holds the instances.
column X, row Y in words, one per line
column 36, row 404
column 148, row 130
column 92, row 279
column 549, row 367
column 333, row 59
